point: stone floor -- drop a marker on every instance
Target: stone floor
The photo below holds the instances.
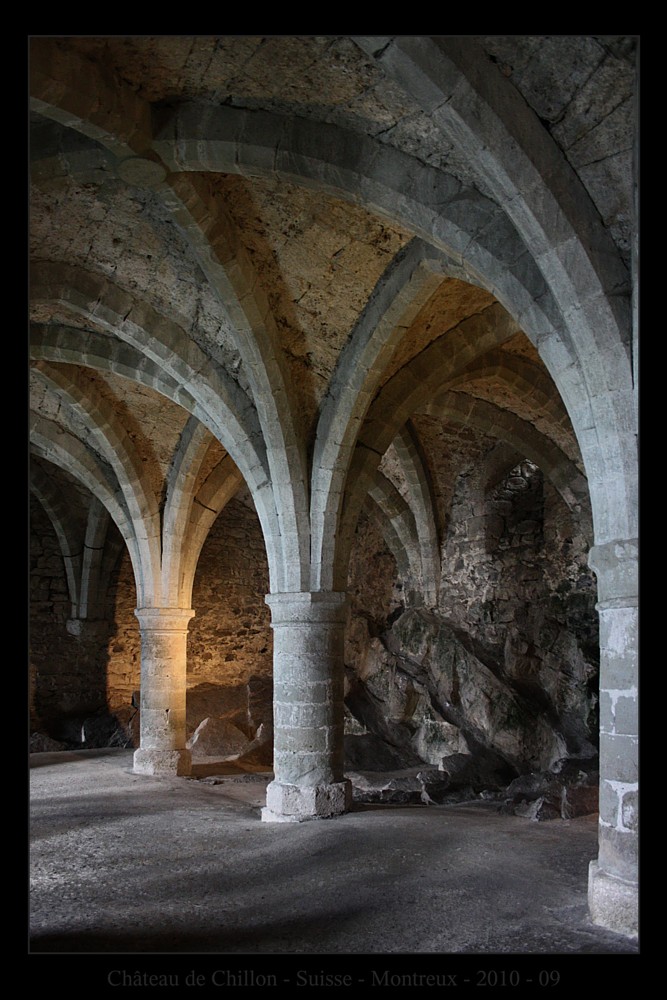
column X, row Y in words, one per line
column 168, row 868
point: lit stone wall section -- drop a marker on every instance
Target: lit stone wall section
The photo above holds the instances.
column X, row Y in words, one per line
column 308, row 668
column 613, row 878
column 164, row 634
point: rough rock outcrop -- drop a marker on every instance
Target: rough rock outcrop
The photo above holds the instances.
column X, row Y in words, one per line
column 426, row 692
column 94, row 731
column 40, row 743
column 217, row 738
column 408, row 786
column 568, row 791
column 366, row 752
column 260, row 751
column 231, row 721
column 247, row 706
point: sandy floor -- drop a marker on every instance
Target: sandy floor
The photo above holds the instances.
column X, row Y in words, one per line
column 124, row 864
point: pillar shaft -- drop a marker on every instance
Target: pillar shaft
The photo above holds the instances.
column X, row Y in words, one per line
column 164, row 634
column 613, row 878
column 308, row 672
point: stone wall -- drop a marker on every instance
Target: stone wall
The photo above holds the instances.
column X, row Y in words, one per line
column 513, row 546
column 82, row 668
column 515, row 576
column 229, row 640
column 123, row 653
column 230, row 637
column 66, row 661
column 375, row 591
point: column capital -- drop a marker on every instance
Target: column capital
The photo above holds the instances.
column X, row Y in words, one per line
column 308, row 607
column 164, row 619
column 616, row 566
column 87, row 627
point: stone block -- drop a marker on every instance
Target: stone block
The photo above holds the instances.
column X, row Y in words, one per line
column 616, row 566
column 295, row 803
column 162, row 762
column 609, row 804
column 301, row 740
column 618, row 852
column 619, row 757
column 296, row 664
column 630, row 811
column 626, row 715
column 613, row 902
column 617, row 672
column 163, row 723
column 618, row 630
column 333, row 799
column 302, row 715
column 606, row 713
column 299, row 769
column 314, row 692
column 307, row 608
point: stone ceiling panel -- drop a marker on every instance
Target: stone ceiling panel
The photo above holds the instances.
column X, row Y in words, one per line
column 318, row 260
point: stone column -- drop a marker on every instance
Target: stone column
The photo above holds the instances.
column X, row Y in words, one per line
column 613, row 878
column 164, row 633
column 308, row 671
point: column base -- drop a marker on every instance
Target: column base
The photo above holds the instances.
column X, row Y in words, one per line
column 296, row 803
column 613, row 903
column 174, row 762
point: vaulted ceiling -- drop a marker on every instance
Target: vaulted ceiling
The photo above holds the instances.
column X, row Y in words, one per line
column 179, row 197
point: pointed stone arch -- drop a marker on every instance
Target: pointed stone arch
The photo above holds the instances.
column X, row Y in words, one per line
column 70, row 545
column 525, row 439
column 64, row 449
column 219, row 401
column 399, row 531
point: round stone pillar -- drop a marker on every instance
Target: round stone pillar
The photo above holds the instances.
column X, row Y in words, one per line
column 613, row 878
column 308, row 672
column 164, row 633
